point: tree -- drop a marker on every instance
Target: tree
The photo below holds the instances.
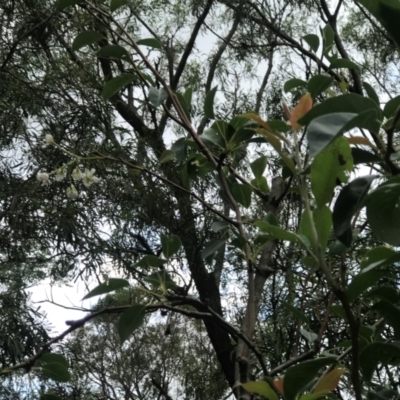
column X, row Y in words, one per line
column 179, row 174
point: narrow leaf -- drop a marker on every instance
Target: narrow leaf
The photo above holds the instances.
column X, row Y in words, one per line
column 110, row 286
column 344, row 63
column 150, row 42
column 114, row 51
column 209, row 103
column 130, row 320
column 329, row 382
column 304, row 105
column 293, row 83
column 151, row 261
column 86, row 38
column 167, row 155
column 262, row 388
column 212, row 247
column 371, row 92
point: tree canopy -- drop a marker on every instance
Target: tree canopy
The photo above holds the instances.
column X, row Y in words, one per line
column 231, row 164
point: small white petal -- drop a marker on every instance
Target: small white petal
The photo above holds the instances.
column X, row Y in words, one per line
column 77, row 174
column 60, row 174
column 43, row 177
column 72, row 193
column 49, row 139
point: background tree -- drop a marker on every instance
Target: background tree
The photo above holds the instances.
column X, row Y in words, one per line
column 160, row 172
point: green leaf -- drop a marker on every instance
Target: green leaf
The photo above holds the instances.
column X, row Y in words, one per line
column 130, row 320
column 347, row 204
column 371, row 92
column 61, row 4
column 385, row 292
column 114, row 51
column 212, row 136
column 186, row 181
column 278, row 125
column 170, row 245
column 319, row 83
column 167, row 155
column 296, row 312
column 376, row 353
column 258, row 166
column 86, row 38
column 344, row 63
column 115, row 4
column 157, row 96
column 328, row 37
column 324, row 129
column 262, row 388
column 391, row 107
column 275, row 232
column 185, row 106
column 212, row 247
column 150, row 261
column 114, row 85
column 261, row 184
column 387, row 12
column 242, row 194
column 111, row 285
column 298, row 377
column 56, row 371
column 383, row 211
column 293, row 83
column 219, row 226
column 209, row 103
column 180, row 148
column 54, row 358
column 347, row 103
column 150, row 42
column 310, row 336
column 312, row 41
column 328, row 167
column 379, row 257
column 188, row 96
column 362, row 282
column 361, row 156
column 161, row 278
column 391, row 314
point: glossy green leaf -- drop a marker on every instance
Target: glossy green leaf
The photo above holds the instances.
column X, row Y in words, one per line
column 160, row 278
column 324, row 129
column 379, row 257
column 275, row 232
column 329, row 167
column 387, row 12
column 347, row 204
column 86, row 38
column 362, row 282
column 54, row 358
column 347, row 103
column 111, row 285
column 390, row 313
column 115, row 4
column 344, row 63
column 157, row 96
column 361, row 156
column 313, row 41
column 328, row 383
column 114, row 85
column 278, row 125
column 261, row 184
column 258, row 166
column 62, row 4
column 150, row 261
column 385, row 292
column 371, row 92
column 318, row 84
column 209, row 103
column 150, row 42
column 374, row 354
column 262, row 388
column 298, row 377
column 185, row 106
column 180, row 149
column 242, row 194
column 114, row 51
column 328, row 37
column 391, row 106
column 167, row 155
column 130, row 320
column 170, row 245
column 294, row 83
column 57, row 372
column 212, row 136
column 383, row 211
column 212, row 247
column 219, row 226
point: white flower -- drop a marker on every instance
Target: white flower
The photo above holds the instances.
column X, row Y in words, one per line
column 72, row 193
column 60, row 174
column 89, row 178
column 77, row 174
column 43, row 177
column 49, row 139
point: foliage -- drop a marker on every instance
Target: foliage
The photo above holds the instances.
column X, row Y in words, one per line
column 251, row 215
